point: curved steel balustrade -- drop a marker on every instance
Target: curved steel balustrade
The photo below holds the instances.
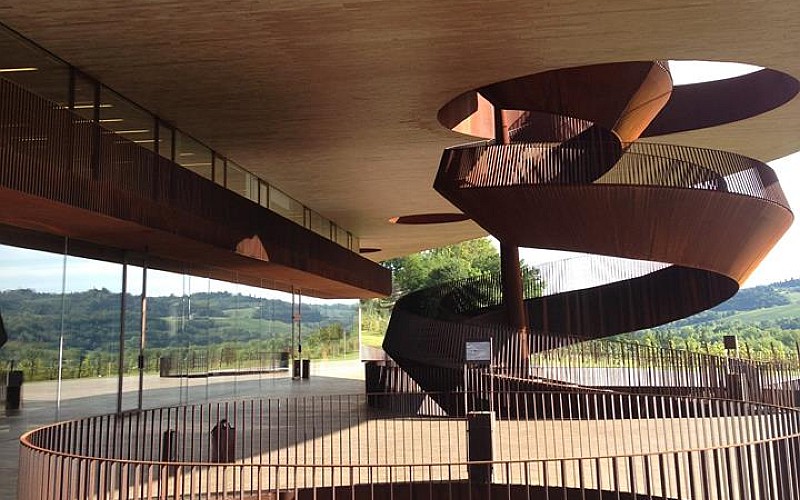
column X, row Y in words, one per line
column 565, row 172
column 577, row 445
column 711, row 215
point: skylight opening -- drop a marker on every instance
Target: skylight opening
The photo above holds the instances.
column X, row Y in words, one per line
column 690, row 72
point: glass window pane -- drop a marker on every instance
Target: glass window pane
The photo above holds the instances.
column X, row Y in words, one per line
column 84, row 97
column 32, row 68
column 83, row 136
column 126, row 119
column 252, row 186
column 236, row 179
column 319, row 224
column 219, row 170
column 286, row 206
column 192, row 155
column 173, row 338
column 341, row 236
column 263, row 194
column 165, row 141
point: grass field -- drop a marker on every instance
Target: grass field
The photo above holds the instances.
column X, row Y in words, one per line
column 769, row 313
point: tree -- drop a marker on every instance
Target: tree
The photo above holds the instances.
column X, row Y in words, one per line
column 441, row 265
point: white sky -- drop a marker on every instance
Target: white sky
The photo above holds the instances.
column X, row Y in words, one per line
column 20, row 268
column 782, row 263
column 686, row 72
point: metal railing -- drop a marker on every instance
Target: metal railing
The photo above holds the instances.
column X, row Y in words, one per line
column 573, row 163
column 546, row 444
column 48, row 78
column 603, row 363
column 203, row 363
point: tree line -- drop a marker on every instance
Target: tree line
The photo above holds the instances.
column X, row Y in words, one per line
column 216, row 323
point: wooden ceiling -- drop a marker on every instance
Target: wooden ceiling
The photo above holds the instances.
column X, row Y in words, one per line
column 336, row 102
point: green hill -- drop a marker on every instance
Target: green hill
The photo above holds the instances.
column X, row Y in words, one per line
column 766, row 319
column 212, row 323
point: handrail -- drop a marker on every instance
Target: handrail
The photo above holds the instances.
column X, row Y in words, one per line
column 747, row 434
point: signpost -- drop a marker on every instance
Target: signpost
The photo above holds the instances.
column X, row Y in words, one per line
column 480, row 424
column 479, row 353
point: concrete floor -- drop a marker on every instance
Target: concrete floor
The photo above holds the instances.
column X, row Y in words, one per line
column 86, row 397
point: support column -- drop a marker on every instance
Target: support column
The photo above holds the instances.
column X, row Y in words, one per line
column 121, row 351
column 511, row 273
column 142, row 333
column 514, row 300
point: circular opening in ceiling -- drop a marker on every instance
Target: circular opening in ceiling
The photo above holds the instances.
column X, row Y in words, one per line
column 429, row 218
column 700, row 94
column 692, row 72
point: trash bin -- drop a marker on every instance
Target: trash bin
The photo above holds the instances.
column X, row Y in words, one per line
column 169, row 445
column 306, row 366
column 14, row 390
column 164, row 366
column 223, row 443
column 480, row 446
column 283, row 362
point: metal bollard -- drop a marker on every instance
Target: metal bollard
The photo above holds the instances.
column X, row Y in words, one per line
column 223, row 443
column 14, row 389
column 480, row 431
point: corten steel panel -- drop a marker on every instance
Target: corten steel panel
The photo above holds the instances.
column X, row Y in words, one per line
column 711, row 215
column 137, row 201
column 623, row 97
column 708, row 217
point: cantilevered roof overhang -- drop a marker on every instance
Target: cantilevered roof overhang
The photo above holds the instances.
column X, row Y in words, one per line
column 336, row 103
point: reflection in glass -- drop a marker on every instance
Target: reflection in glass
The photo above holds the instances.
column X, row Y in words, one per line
column 263, row 194
column 219, row 169
column 32, row 68
column 192, row 155
column 235, row 179
column 319, row 224
column 252, row 186
column 124, row 118
column 286, row 206
column 165, row 134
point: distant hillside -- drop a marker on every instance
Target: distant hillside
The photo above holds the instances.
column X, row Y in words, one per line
column 92, row 318
column 774, row 302
column 764, row 318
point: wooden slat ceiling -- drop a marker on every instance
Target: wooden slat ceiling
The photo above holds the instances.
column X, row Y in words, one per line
column 336, row 102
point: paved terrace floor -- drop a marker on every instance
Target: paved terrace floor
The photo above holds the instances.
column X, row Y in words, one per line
column 97, row 396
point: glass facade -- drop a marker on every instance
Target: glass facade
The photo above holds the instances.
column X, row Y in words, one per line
column 183, row 336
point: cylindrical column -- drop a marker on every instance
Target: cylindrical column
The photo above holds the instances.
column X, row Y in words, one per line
column 513, row 297
column 142, row 334
column 121, row 348
column 511, row 273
